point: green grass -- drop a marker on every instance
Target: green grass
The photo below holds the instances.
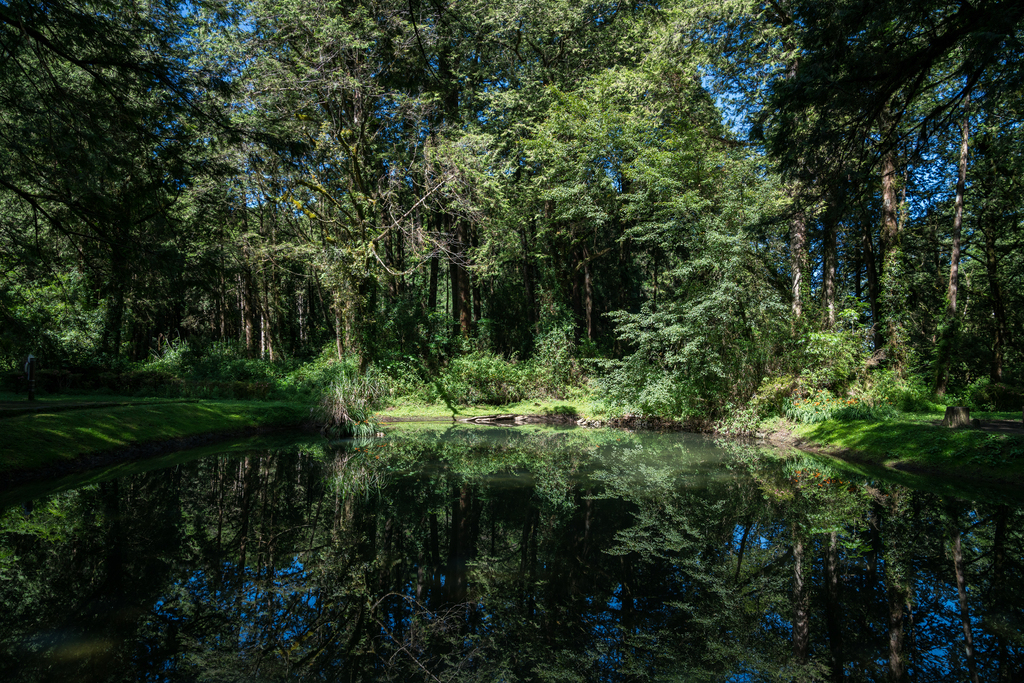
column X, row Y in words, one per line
column 913, row 442
column 9, row 397
column 41, row 439
column 408, row 407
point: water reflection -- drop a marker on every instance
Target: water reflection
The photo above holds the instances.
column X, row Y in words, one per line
column 488, row 554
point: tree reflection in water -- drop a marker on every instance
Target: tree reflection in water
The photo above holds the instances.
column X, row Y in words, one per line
column 489, row 554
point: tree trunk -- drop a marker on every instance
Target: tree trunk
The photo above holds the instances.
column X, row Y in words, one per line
column 588, row 302
column 890, row 223
column 892, row 285
column 248, row 315
column 475, row 281
column 797, row 249
column 529, row 281
column 948, row 335
column 998, row 306
column 829, row 272
column 461, row 303
column 958, row 221
column 872, row 270
column 432, row 291
column 957, row 416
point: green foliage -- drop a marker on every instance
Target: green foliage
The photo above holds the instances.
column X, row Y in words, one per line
column 346, row 407
column 836, row 358
column 823, row 405
column 773, row 395
column 558, row 364
column 908, row 394
column 483, row 378
column 984, row 394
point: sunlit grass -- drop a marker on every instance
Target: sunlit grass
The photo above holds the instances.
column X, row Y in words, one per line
column 915, row 441
column 42, row 439
column 406, row 407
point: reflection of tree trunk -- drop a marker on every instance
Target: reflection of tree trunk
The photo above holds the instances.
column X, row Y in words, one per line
column 833, row 607
column 743, row 547
column 965, row 619
column 458, row 547
column 897, row 598
column 897, row 592
column 998, row 576
column 114, row 564
column 527, row 561
column 435, row 560
column 801, row 613
column 248, row 484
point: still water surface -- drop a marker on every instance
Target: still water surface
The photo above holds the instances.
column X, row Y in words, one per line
column 460, row 553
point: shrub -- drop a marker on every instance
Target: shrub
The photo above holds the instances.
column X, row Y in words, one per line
column 835, row 358
column 346, row 408
column 910, row 395
column 983, row 394
column 772, row 395
column 482, row 378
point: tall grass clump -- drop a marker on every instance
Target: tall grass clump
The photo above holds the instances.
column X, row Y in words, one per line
column 346, row 407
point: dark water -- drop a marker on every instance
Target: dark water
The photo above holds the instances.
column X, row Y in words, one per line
column 490, row 554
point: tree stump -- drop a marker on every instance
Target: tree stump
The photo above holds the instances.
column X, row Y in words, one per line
column 957, row 416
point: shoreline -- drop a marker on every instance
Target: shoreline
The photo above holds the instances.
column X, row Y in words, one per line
column 915, row 436
column 50, row 443
column 131, row 453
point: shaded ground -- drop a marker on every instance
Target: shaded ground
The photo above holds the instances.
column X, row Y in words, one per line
column 1015, row 427
column 9, row 408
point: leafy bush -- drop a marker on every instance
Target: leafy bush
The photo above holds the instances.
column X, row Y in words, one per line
column 910, row 394
column 772, row 395
column 835, row 358
column 636, row 387
column 483, row 378
column 983, row 394
column 557, row 358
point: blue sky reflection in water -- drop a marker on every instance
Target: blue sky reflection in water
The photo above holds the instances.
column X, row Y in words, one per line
column 457, row 553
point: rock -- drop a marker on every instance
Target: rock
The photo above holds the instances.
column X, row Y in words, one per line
column 976, row 423
column 957, row 416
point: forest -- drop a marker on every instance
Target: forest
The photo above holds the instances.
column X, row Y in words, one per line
column 715, row 210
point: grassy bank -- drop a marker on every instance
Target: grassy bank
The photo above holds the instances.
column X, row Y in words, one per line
column 411, row 407
column 913, row 442
column 47, row 438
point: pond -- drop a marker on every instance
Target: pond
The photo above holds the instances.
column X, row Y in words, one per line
column 506, row 554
